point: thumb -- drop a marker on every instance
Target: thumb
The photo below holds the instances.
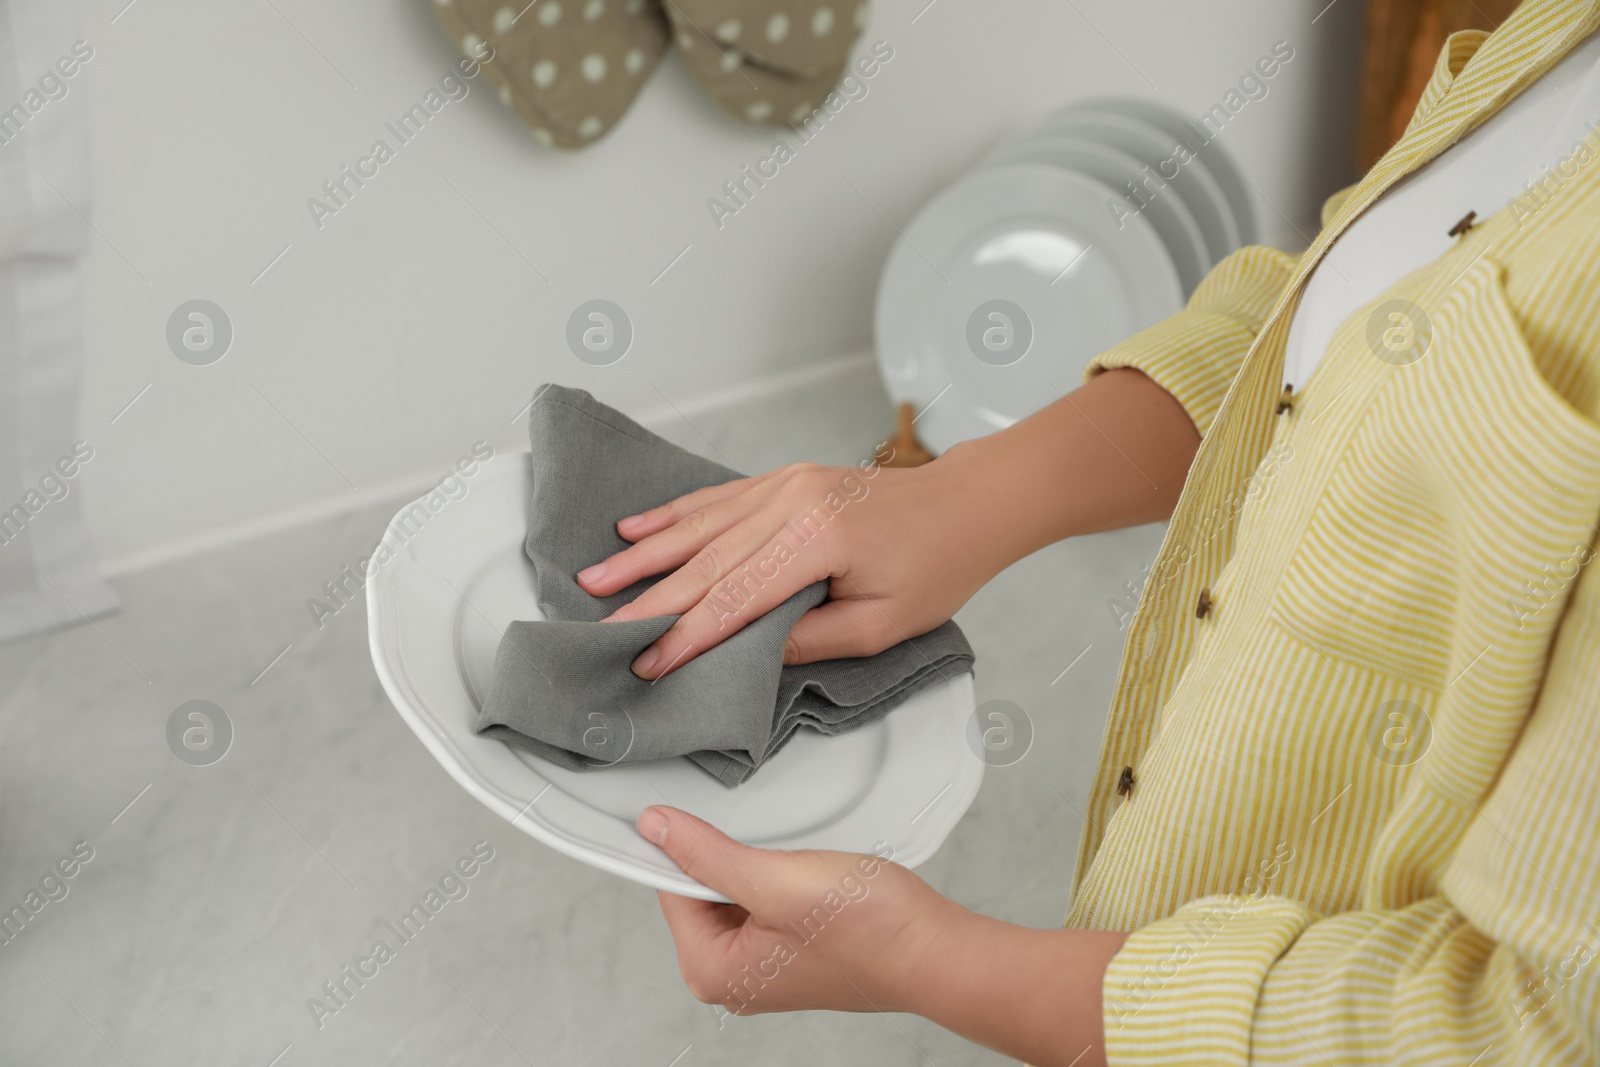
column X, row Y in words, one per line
column 709, row 856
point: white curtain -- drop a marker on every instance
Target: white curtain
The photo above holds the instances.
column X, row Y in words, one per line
column 48, row 575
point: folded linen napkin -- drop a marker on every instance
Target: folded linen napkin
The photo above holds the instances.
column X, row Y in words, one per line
column 563, row 687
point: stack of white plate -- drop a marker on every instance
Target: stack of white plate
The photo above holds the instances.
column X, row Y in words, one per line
column 1091, row 225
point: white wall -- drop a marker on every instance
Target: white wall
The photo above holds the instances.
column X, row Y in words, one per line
column 407, row 327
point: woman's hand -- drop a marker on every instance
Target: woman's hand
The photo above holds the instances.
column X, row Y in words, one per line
column 900, row 553
column 825, row 930
column 901, row 550
column 842, row 931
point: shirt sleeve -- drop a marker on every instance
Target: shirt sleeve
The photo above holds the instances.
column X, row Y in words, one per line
column 1195, row 353
column 1498, row 964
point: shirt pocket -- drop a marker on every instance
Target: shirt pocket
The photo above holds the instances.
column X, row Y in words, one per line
column 1466, row 484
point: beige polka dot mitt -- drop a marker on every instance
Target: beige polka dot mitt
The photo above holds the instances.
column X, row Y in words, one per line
column 570, row 68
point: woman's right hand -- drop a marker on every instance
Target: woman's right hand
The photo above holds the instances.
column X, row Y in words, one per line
column 901, row 549
column 900, row 552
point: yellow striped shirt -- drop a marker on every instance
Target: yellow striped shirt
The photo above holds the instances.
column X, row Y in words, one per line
column 1360, row 698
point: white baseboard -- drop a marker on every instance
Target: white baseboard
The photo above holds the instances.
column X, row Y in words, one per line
column 415, row 484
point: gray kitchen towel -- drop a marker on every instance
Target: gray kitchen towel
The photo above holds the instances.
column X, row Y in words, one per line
column 563, row 687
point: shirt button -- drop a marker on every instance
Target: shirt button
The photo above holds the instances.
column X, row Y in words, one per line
column 1202, row 606
column 1125, row 782
column 1286, row 399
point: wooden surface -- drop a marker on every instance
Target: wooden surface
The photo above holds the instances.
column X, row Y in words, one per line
column 1403, row 39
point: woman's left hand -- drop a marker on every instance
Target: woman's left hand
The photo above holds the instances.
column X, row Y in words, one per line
column 807, row 929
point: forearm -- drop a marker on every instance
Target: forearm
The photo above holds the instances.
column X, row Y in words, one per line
column 1032, row 994
column 1110, row 454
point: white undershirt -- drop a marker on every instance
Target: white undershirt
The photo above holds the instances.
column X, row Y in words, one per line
column 1408, row 226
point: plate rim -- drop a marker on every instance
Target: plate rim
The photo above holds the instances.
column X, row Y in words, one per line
column 1219, row 164
column 1199, row 169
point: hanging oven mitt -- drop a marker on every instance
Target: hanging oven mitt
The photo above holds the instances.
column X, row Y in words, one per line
column 570, row 68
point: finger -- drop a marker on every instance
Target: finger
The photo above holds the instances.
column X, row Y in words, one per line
column 635, row 527
column 743, row 874
column 840, row 629
column 671, row 548
column 707, row 938
column 699, row 923
column 760, row 584
column 701, row 572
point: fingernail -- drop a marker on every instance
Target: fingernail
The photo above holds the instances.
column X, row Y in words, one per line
column 629, row 523
column 592, row 574
column 653, row 825
column 646, row 660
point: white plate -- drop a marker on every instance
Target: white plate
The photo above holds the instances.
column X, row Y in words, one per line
column 1041, row 238
column 435, row 614
column 1193, row 183
column 1114, row 167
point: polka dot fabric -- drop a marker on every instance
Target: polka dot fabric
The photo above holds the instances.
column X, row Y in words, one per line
column 571, row 68
column 761, row 61
column 804, row 39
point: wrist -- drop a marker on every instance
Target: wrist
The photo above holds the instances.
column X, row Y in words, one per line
column 1033, row 994
column 920, row 982
column 1006, row 491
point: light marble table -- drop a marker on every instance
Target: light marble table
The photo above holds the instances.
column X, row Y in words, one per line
column 219, row 899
